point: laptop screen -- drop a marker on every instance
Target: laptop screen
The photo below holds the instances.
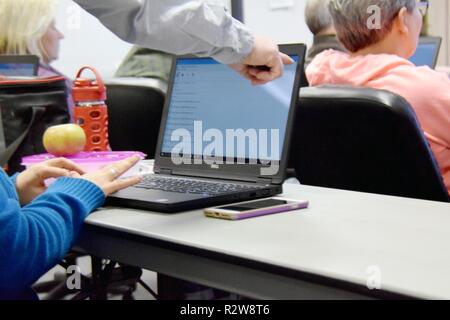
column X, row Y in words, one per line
column 224, row 114
column 17, row 69
column 425, row 55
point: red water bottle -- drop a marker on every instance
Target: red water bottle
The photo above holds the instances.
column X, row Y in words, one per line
column 90, row 110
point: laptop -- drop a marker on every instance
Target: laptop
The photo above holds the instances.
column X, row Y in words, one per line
column 427, row 52
column 221, row 139
column 19, row 66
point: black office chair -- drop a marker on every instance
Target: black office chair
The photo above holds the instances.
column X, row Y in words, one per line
column 135, row 108
column 107, row 277
column 363, row 140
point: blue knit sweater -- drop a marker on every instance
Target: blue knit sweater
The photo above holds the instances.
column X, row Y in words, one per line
column 34, row 238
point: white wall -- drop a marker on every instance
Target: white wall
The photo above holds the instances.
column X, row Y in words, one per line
column 282, row 20
column 439, row 25
column 86, row 42
column 227, row 4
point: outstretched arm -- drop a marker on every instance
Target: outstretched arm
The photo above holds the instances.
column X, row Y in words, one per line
column 176, row 26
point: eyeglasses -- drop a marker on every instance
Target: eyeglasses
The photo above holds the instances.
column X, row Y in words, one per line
column 423, row 6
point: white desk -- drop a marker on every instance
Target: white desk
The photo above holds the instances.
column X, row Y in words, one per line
column 323, row 252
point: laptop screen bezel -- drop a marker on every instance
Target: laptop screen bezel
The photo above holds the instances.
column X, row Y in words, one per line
column 240, row 172
column 432, row 40
column 22, row 59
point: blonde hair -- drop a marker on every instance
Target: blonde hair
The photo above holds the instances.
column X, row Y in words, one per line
column 23, row 23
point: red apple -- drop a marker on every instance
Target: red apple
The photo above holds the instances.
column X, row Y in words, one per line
column 64, row 140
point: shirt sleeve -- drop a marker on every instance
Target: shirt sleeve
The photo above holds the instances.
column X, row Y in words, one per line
column 36, row 237
column 201, row 27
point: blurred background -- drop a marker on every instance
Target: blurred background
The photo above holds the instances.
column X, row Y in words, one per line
column 88, row 42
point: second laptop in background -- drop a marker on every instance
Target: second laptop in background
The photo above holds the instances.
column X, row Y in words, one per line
column 427, row 52
column 19, row 66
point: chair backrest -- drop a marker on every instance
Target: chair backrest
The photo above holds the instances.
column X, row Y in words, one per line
column 363, row 140
column 135, row 108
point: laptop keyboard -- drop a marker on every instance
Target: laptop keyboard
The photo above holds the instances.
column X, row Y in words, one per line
column 192, row 186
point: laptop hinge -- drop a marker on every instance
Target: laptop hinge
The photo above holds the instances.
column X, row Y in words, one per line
column 265, row 181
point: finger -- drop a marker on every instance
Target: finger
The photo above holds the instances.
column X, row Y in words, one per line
column 286, row 59
column 257, row 82
column 264, row 76
column 254, row 80
column 122, row 184
column 245, row 72
column 119, row 168
column 74, row 174
column 247, row 75
column 51, row 172
column 64, row 164
column 254, row 73
column 276, row 70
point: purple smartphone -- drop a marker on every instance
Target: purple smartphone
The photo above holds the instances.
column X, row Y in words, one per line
column 255, row 208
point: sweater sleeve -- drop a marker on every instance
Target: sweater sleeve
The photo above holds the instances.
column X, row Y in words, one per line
column 36, row 237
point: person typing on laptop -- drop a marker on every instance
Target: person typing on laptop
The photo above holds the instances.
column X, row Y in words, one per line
column 39, row 224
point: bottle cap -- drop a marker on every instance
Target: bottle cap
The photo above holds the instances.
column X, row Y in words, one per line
column 88, row 89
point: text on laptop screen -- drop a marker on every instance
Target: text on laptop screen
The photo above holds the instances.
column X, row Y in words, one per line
column 425, row 55
column 210, row 100
column 17, row 69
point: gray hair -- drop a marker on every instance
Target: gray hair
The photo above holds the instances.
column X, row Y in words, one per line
column 352, row 17
column 318, row 16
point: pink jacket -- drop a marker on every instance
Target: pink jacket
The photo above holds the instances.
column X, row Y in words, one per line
column 426, row 90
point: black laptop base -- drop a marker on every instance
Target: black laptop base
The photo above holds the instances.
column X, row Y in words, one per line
column 177, row 207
